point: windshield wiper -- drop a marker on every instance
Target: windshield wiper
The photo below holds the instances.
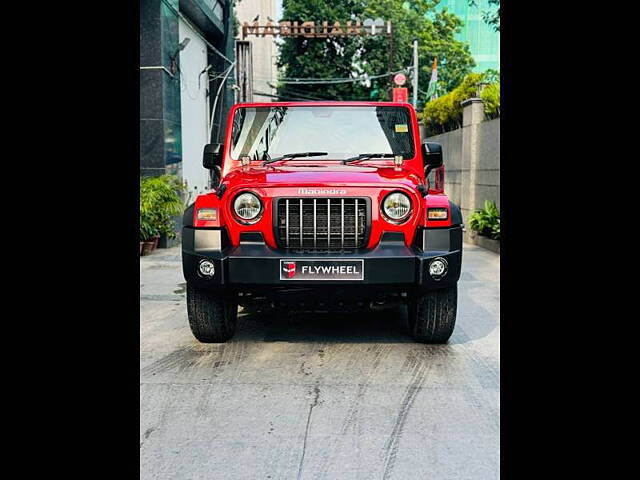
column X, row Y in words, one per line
column 294, row 155
column 365, row 156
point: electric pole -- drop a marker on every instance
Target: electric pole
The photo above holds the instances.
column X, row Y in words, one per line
column 415, row 73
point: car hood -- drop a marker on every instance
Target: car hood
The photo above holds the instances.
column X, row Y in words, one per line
column 319, row 174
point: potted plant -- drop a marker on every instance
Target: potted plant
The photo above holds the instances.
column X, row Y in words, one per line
column 147, row 233
column 160, row 201
column 147, row 221
column 154, row 241
column 486, row 223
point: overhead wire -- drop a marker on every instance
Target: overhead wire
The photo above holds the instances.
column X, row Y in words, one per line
column 286, row 90
column 310, row 81
column 215, row 103
column 318, row 95
column 294, row 96
column 285, row 96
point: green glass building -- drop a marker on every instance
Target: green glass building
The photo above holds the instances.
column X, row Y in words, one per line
column 483, row 41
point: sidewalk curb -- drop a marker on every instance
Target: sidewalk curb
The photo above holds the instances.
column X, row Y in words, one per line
column 484, row 242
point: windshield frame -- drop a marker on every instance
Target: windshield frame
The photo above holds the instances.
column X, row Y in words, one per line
column 411, row 120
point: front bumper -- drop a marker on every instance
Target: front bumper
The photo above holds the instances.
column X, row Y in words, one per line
column 253, row 264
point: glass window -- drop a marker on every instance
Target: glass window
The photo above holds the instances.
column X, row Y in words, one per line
column 342, row 131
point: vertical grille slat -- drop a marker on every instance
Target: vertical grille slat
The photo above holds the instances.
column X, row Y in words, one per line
column 342, row 222
column 301, row 217
column 322, row 223
column 329, row 222
column 355, row 216
column 287, row 222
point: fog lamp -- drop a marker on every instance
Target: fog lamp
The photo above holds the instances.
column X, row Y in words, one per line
column 206, row 268
column 438, row 268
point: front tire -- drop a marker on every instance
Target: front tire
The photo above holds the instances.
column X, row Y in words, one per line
column 212, row 317
column 432, row 315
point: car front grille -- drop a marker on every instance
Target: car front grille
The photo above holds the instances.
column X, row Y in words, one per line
column 321, row 223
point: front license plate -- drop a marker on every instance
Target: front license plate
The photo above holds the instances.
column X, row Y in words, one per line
column 321, row 269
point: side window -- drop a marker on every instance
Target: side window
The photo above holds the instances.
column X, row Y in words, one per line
column 238, row 121
column 396, row 125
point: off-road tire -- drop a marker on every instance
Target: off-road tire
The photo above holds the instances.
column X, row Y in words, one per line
column 432, row 315
column 212, row 317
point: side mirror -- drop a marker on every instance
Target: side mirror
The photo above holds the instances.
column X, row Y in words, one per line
column 212, row 155
column 431, row 155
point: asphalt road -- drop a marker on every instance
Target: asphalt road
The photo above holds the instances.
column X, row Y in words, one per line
column 319, row 396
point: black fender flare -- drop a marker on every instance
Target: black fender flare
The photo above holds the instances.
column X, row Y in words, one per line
column 456, row 214
column 187, row 217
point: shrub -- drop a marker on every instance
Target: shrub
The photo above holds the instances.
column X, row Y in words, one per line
column 445, row 113
column 467, row 89
column 491, row 97
column 160, row 201
column 486, row 221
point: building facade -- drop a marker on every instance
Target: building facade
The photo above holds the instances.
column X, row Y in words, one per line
column 483, row 41
column 264, row 49
column 186, row 46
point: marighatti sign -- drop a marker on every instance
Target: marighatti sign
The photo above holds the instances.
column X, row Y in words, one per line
column 311, row 29
column 302, row 269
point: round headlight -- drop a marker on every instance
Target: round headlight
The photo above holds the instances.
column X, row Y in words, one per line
column 247, row 206
column 397, row 206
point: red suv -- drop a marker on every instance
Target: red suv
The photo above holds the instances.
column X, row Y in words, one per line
column 322, row 206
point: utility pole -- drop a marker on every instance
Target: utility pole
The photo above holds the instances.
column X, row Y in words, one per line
column 415, row 73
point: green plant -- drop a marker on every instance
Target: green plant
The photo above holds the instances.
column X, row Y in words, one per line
column 348, row 55
column 147, row 229
column 160, row 201
column 492, row 16
column 490, row 95
column 486, row 221
column 445, row 113
column 491, row 75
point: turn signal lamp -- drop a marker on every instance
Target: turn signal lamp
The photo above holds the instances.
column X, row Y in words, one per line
column 437, row 214
column 208, row 214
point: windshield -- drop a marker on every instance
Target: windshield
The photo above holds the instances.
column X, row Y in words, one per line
column 342, row 132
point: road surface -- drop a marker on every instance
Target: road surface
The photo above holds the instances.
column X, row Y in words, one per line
column 319, row 396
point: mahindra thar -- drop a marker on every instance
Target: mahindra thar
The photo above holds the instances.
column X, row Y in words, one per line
column 321, row 206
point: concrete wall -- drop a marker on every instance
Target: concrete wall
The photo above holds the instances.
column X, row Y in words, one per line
column 472, row 159
column 194, row 109
column 452, row 150
column 488, row 170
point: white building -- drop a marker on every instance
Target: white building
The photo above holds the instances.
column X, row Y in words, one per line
column 264, row 49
